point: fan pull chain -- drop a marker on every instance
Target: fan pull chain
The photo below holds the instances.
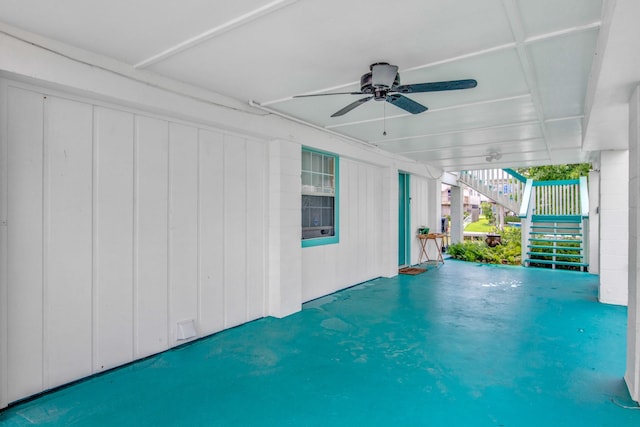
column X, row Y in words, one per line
column 384, row 119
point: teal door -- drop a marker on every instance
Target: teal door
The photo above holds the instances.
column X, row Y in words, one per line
column 404, row 254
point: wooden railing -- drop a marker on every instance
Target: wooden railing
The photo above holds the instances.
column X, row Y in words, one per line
column 566, row 197
column 552, row 208
column 503, row 186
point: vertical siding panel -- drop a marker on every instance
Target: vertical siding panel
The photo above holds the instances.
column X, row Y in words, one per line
column 418, row 216
column 183, row 225
column 235, row 240
column 353, row 205
column 68, row 299
column 381, row 219
column 256, row 160
column 312, row 286
column 344, row 268
column 211, row 232
column 362, row 216
column 24, row 244
column 366, row 215
column 375, row 215
column 370, row 217
column 151, row 226
column 113, row 238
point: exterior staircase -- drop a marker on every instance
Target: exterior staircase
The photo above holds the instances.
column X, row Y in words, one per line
column 554, row 215
column 556, row 241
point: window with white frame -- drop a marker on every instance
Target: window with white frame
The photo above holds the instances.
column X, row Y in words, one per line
column 319, row 198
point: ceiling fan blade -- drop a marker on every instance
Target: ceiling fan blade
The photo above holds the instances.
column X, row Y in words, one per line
column 383, row 75
column 351, row 106
column 325, row 94
column 437, row 86
column 406, row 104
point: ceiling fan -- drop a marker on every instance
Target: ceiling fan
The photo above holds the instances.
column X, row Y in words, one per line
column 382, row 83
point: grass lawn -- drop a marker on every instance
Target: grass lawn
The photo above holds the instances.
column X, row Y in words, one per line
column 480, row 226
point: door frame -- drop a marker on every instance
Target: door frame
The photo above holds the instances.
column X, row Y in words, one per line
column 404, row 219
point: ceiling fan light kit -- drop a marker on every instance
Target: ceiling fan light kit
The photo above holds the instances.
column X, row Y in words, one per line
column 493, row 156
column 382, row 83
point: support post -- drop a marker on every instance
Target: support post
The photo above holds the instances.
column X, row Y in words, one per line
column 457, row 214
column 594, row 222
column 632, row 374
column 614, row 226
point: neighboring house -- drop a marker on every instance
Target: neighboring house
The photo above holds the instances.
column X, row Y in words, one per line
column 472, row 200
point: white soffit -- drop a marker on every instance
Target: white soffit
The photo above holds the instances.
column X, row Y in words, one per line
column 531, row 60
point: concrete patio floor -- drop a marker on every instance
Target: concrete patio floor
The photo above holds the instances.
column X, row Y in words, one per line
column 460, row 345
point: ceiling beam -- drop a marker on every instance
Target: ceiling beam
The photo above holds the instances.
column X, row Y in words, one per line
column 215, row 32
column 517, row 28
column 479, row 162
column 453, row 132
column 462, row 57
column 563, row 32
column 483, row 156
column 491, row 145
column 562, row 119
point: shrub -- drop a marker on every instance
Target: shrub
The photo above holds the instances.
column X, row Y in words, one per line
column 506, row 253
column 511, row 218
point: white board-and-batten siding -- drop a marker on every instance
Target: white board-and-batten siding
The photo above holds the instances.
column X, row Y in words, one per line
column 120, row 225
column 358, row 257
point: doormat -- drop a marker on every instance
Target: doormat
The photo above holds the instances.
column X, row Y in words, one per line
column 412, row 271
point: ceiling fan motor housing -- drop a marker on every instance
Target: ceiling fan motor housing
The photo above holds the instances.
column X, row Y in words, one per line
column 379, row 91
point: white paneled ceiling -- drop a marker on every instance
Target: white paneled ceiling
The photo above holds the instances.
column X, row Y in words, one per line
column 532, row 60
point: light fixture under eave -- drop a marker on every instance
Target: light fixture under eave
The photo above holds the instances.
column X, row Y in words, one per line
column 493, row 156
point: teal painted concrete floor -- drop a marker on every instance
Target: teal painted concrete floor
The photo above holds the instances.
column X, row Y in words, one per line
column 460, row 345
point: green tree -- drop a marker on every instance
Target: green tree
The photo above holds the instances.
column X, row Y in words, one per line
column 556, row 172
column 487, row 211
